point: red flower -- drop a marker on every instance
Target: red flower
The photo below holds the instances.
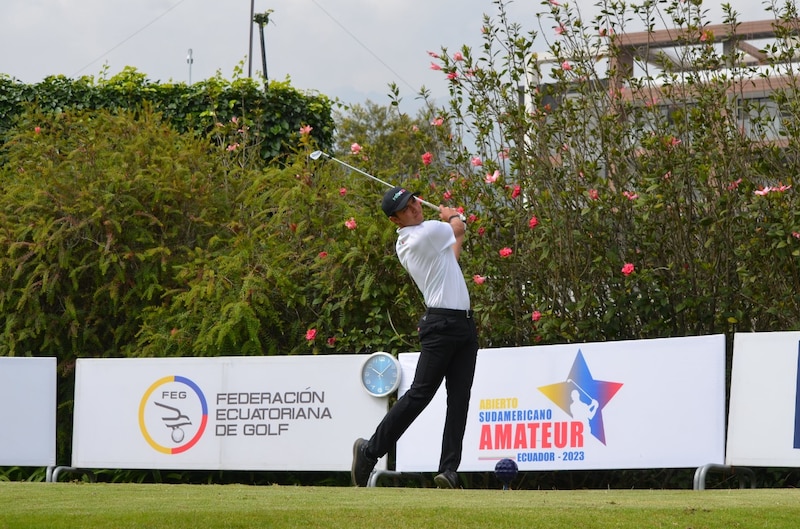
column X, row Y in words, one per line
column 536, row 316
column 533, row 222
column 505, row 252
column 427, row 158
column 627, row 269
column 515, row 192
column 311, row 334
column 478, row 279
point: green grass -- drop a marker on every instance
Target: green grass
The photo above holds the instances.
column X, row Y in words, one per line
column 120, row 506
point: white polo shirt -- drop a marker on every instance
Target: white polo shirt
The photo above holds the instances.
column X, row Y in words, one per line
column 426, row 252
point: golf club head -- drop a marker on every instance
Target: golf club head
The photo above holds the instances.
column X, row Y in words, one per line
column 315, row 155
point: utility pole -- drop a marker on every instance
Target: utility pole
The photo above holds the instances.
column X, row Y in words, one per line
column 262, row 19
column 189, row 61
column 250, row 54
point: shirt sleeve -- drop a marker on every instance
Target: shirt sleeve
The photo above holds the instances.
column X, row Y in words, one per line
column 440, row 234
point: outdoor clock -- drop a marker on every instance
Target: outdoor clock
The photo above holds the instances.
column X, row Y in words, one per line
column 380, row 374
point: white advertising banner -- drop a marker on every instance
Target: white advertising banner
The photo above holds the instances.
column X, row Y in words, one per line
column 607, row 405
column 764, row 416
column 230, row 413
column 28, row 413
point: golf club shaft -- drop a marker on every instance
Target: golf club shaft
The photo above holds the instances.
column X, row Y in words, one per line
column 317, row 154
column 580, row 388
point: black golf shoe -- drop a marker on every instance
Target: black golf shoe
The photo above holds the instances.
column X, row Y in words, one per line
column 362, row 464
column 446, row 480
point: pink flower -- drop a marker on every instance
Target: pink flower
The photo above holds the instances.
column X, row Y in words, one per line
column 427, row 158
column 560, row 29
column 627, row 269
column 447, row 195
column 515, row 193
column 433, row 54
column 472, row 218
column 533, row 222
column 594, row 194
column 478, row 279
column 630, row 195
column 476, row 161
column 492, row 178
column 796, row 234
column 233, row 147
column 435, row 66
column 505, row 252
column 437, row 122
column 306, row 130
column 355, row 148
column 322, row 255
column 763, row 191
column 481, row 231
column 503, row 155
column 733, row 185
column 351, row 224
column 342, row 191
column 457, row 56
column 37, row 130
column 536, row 316
column 452, row 75
column 331, row 341
column 566, row 66
column 311, row 334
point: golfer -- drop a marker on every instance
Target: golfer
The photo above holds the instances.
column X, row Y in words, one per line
column 429, row 251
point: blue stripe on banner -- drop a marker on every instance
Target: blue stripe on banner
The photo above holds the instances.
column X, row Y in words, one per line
column 797, row 402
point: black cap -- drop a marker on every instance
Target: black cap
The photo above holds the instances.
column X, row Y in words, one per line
column 395, row 199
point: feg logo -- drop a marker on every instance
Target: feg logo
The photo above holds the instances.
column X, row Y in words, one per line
column 173, row 414
column 583, row 397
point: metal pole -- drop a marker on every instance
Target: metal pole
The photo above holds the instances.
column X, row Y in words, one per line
column 263, row 54
column 189, row 61
column 250, row 54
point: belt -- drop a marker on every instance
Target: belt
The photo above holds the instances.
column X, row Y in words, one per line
column 462, row 313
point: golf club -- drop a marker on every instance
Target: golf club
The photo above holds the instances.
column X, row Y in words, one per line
column 316, row 154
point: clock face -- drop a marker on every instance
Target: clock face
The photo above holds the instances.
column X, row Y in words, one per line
column 380, row 374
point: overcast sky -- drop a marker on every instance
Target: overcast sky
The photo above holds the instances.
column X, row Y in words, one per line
column 350, row 49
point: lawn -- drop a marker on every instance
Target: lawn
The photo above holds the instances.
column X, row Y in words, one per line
column 119, row 506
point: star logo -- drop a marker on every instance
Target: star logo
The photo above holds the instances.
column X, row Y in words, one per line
column 583, row 397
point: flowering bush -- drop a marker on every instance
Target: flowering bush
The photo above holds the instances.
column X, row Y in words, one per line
column 660, row 175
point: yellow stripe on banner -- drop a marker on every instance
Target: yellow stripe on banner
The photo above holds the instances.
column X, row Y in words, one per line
column 142, row 404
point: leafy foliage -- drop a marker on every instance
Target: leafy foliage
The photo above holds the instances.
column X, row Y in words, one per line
column 267, row 119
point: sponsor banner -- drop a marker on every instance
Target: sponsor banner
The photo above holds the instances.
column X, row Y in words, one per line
column 764, row 415
column 28, row 413
column 231, row 413
column 608, row 405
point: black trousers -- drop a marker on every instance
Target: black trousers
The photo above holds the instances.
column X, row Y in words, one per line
column 448, row 351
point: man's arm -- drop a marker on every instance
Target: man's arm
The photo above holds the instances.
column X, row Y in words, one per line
column 453, row 218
